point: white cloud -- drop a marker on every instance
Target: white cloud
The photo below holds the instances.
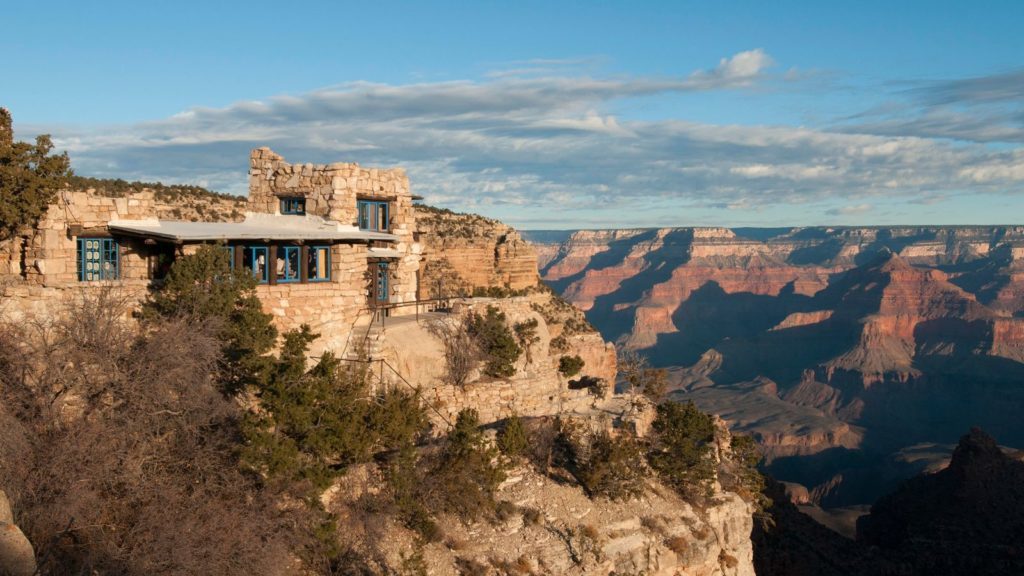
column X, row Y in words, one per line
column 744, row 65
column 850, row 210
column 545, row 143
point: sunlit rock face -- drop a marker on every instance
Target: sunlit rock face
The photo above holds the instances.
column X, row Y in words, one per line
column 485, row 252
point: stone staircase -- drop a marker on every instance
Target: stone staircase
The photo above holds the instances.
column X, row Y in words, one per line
column 372, row 339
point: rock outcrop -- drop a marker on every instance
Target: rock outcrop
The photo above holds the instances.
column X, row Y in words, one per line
column 554, row 527
column 17, row 558
column 966, row 519
column 485, row 253
column 536, row 388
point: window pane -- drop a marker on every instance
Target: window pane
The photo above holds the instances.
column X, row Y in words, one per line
column 365, row 215
column 382, row 281
column 255, row 258
column 293, row 205
column 319, row 265
column 323, row 263
column 286, row 263
column 373, row 215
column 98, row 259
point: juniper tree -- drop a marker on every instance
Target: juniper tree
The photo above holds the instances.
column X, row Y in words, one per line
column 314, row 423
column 526, row 334
column 681, row 448
column 203, row 286
column 512, row 438
column 30, row 177
column 570, row 366
column 465, row 478
column 496, row 341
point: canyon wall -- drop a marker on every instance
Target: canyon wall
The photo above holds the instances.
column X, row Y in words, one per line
column 818, row 341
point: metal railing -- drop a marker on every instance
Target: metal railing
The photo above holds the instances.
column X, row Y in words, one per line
column 382, row 310
column 392, row 370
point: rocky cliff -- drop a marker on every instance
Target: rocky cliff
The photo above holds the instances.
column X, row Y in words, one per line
column 658, row 533
column 827, row 344
column 551, row 526
column 484, row 253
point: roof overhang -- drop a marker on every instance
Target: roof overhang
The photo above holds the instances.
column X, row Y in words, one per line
column 256, row 227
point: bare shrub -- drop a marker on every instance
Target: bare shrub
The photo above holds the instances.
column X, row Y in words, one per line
column 678, row 544
column 141, row 477
column 640, row 377
column 532, row 517
column 655, row 524
column 461, row 351
column 614, row 468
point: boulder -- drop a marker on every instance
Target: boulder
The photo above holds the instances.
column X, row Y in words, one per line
column 16, row 555
column 6, row 516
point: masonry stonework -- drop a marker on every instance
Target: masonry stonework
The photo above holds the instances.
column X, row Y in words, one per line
column 332, row 191
column 39, row 266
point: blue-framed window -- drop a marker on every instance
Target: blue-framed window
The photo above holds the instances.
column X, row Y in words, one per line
column 319, row 264
column 98, row 259
column 286, row 263
column 373, row 215
column 380, row 286
column 257, row 259
column 293, row 205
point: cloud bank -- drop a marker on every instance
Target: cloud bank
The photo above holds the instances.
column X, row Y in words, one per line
column 557, row 142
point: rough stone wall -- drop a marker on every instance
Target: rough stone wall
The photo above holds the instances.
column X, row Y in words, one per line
column 38, row 274
column 50, row 248
column 485, row 252
column 331, row 191
column 331, row 309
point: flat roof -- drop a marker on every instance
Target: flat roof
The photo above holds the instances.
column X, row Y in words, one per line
column 255, row 227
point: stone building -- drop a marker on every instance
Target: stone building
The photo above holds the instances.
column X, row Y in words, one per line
column 328, row 244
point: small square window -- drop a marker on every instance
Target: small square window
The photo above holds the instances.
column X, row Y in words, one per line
column 373, row 215
column 98, row 259
column 293, row 206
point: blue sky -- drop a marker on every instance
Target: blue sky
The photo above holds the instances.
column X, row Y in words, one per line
column 552, row 114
